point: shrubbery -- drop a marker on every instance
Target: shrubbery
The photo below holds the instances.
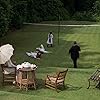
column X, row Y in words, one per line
column 96, row 11
column 83, row 16
column 91, row 15
column 14, row 12
column 38, row 10
column 4, row 17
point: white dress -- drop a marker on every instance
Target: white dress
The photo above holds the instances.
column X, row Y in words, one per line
column 50, row 39
column 42, row 49
column 32, row 54
column 9, row 64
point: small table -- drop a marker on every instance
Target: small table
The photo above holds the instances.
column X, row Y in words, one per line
column 26, row 78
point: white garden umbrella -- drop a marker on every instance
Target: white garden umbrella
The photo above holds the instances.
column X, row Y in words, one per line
column 6, row 51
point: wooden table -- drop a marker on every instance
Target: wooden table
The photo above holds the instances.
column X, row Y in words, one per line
column 26, row 78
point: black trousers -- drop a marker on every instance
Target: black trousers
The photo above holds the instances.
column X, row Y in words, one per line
column 75, row 62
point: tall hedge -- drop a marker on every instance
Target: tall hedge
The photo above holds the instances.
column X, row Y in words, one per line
column 38, row 10
column 96, row 10
column 18, row 13
column 4, row 16
column 14, row 12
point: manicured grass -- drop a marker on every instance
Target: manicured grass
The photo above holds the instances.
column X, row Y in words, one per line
column 31, row 36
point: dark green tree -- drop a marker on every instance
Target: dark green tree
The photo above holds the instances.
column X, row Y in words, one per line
column 96, row 10
column 18, row 13
column 4, row 16
column 38, row 10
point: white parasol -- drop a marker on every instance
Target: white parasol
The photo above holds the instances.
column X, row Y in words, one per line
column 6, row 51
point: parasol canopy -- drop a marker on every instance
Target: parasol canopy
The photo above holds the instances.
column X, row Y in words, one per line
column 6, row 51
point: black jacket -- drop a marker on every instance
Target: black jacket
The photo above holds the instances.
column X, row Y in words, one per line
column 74, row 51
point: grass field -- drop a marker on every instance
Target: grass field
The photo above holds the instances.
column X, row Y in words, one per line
column 31, row 36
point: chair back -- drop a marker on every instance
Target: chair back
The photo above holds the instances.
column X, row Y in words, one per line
column 61, row 75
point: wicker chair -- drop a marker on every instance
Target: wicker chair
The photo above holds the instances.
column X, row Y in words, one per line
column 56, row 81
column 9, row 74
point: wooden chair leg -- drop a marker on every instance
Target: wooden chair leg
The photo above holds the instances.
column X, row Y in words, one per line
column 63, row 84
column 26, row 87
column 56, row 88
column 89, row 84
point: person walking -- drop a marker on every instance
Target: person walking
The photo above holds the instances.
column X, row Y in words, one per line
column 74, row 52
column 50, row 39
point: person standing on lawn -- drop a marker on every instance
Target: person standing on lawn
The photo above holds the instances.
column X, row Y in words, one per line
column 50, row 39
column 74, row 51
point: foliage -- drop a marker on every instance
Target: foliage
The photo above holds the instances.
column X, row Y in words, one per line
column 15, row 12
column 96, row 10
column 4, row 17
column 83, row 5
column 12, row 14
column 88, row 10
column 38, row 10
column 83, row 16
column 18, row 12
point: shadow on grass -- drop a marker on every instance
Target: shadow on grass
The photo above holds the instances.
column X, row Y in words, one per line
column 40, row 84
column 70, row 87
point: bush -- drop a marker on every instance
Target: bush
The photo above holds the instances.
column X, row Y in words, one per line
column 18, row 13
column 16, row 21
column 96, row 11
column 83, row 16
column 4, row 17
column 43, row 10
column 96, row 18
column 14, row 12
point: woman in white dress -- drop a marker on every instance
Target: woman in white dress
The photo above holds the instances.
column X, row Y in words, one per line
column 42, row 49
column 50, row 39
column 10, row 64
column 9, row 70
column 35, row 54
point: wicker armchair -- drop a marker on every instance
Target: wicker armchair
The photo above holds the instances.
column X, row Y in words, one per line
column 57, row 80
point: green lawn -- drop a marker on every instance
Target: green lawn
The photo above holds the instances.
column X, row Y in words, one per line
column 31, row 36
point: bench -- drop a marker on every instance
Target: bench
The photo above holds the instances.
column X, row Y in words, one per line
column 95, row 78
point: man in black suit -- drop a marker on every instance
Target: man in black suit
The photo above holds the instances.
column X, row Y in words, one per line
column 74, row 51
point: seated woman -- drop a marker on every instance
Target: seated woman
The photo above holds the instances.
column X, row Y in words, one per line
column 10, row 64
column 11, row 67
